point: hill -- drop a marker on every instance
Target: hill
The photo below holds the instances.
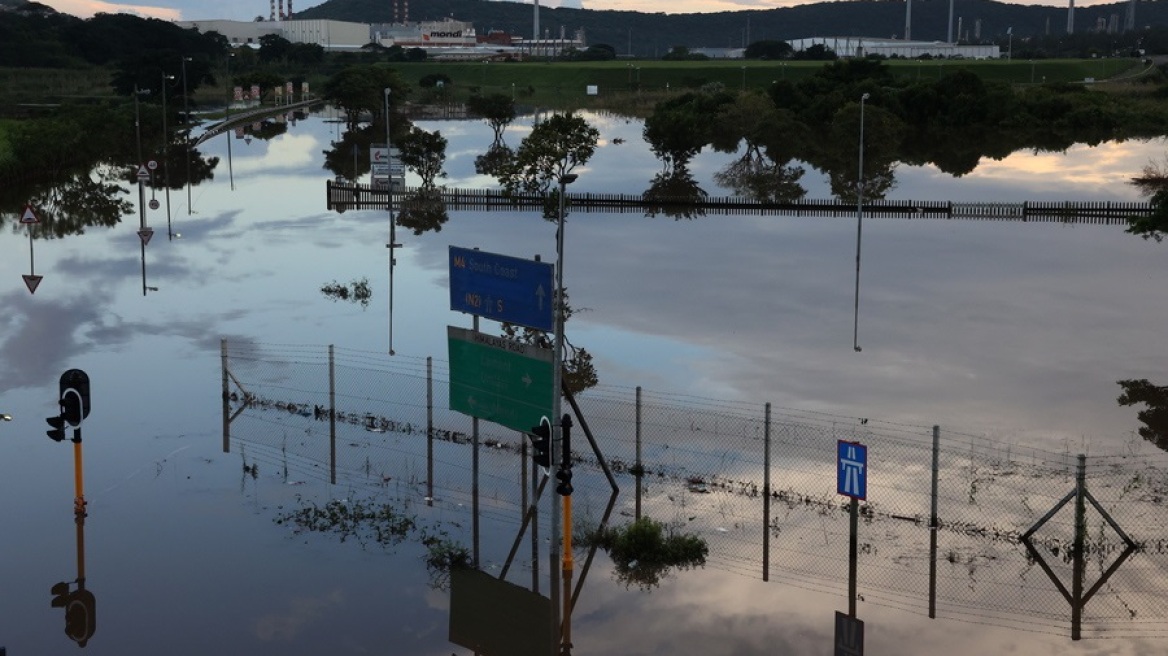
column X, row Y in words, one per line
column 652, row 35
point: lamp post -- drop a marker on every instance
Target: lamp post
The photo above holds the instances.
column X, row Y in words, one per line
column 227, row 121
column 166, row 156
column 557, row 394
column 859, row 228
column 389, row 205
column 187, row 125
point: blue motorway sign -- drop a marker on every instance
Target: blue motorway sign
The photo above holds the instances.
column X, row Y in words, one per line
column 502, row 288
column 851, row 470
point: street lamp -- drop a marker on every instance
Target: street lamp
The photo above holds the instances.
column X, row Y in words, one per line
column 389, row 205
column 859, row 228
column 187, row 125
column 557, row 393
column 166, row 155
column 227, row 121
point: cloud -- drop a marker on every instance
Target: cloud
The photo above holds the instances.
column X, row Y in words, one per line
column 88, row 8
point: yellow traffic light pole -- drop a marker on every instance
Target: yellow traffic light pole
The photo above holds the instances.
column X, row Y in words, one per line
column 78, row 479
column 569, row 564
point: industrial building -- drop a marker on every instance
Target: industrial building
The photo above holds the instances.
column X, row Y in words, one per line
column 862, row 46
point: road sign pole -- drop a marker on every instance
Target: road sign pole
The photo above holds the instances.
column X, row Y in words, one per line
column 853, row 519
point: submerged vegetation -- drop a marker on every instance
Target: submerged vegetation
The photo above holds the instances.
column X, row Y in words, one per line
column 369, row 523
column 644, row 551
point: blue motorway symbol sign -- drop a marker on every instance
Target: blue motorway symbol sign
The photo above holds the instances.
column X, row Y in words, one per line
column 851, row 469
column 849, row 635
column 502, row 288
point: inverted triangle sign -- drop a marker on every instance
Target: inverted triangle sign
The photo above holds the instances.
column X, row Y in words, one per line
column 32, row 281
column 145, row 234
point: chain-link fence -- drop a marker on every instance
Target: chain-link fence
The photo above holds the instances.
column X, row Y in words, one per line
column 954, row 525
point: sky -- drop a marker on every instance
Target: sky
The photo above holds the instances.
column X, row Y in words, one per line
column 249, row 9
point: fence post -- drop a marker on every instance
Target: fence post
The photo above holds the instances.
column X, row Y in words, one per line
column 638, row 469
column 332, row 417
column 429, row 431
column 933, row 528
column 226, row 405
column 1079, row 560
column 766, row 496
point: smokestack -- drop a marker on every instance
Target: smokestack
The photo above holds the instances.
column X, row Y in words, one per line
column 1071, row 18
column 289, row 8
column 281, row 9
column 406, row 10
column 272, row 16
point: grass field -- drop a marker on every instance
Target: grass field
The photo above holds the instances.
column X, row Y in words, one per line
column 568, row 82
column 627, row 87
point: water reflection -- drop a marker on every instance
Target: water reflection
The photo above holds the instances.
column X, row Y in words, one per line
column 1154, row 415
column 982, row 325
column 674, row 193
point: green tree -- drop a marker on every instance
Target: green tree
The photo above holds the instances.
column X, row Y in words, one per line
column 424, row 153
column 768, row 50
column 497, row 109
column 358, row 89
column 554, row 149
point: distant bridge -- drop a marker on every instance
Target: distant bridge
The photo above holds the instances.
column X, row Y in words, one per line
column 343, row 196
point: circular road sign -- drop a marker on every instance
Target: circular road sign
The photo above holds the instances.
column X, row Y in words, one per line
column 153, row 204
column 152, row 164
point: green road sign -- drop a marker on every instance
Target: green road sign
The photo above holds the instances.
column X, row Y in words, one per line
column 499, row 380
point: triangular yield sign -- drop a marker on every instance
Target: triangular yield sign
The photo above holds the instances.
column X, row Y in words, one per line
column 145, row 234
column 32, row 281
column 29, row 215
column 143, row 173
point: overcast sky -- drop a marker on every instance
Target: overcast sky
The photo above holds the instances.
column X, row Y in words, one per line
column 249, row 9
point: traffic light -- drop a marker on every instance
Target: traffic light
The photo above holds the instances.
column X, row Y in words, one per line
column 81, row 617
column 74, row 394
column 71, row 410
column 541, row 443
column 564, row 486
column 80, row 611
column 58, row 432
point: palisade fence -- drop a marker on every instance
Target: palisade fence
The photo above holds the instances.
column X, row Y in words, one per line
column 956, row 525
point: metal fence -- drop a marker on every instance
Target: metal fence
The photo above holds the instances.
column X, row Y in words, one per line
column 953, row 525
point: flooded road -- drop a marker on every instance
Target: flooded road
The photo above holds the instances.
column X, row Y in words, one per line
column 1010, row 336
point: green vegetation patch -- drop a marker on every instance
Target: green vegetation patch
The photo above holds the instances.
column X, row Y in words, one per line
column 645, row 550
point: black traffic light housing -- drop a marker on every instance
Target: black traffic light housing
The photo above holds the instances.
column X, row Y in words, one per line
column 564, row 475
column 73, row 400
column 80, row 611
column 541, row 443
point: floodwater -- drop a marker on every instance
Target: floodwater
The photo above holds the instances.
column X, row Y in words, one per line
column 1008, row 332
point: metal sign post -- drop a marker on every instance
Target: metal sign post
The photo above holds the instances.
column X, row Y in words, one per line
column 852, row 481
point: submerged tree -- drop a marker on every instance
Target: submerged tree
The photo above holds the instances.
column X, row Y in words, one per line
column 555, row 147
column 424, row 153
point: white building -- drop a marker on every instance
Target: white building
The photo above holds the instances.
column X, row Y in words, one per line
column 329, row 34
column 862, row 46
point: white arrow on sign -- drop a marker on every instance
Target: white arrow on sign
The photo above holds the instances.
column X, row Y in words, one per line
column 32, row 282
column 539, row 293
column 526, row 379
column 29, row 215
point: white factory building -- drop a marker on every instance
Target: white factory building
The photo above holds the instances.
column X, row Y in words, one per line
column 862, row 46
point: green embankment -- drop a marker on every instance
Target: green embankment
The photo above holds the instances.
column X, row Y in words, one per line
column 568, row 82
